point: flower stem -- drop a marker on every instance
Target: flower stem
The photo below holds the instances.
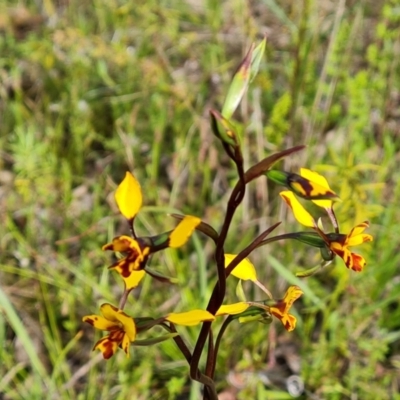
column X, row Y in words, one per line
column 124, row 298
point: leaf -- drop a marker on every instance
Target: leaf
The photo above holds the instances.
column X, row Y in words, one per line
column 264, row 165
column 238, row 86
column 308, row 272
column 160, row 277
column 245, row 73
column 158, row 339
column 256, row 58
column 239, row 291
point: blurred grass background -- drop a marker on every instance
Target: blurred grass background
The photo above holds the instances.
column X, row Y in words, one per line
column 89, row 89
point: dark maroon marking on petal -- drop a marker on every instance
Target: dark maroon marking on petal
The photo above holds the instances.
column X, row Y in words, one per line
column 142, row 264
column 276, row 314
column 124, row 268
column 304, row 183
column 91, row 320
column 108, row 352
column 107, row 348
column 339, row 252
column 137, row 261
column 356, row 262
column 280, row 305
column 116, row 336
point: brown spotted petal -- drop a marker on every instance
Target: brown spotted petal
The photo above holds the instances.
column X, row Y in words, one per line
column 120, row 325
column 340, row 244
column 132, row 262
column 122, row 244
column 109, row 344
column 281, row 309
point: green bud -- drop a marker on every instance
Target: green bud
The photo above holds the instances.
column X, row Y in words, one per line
column 310, row 238
column 327, row 254
column 279, row 177
column 223, row 129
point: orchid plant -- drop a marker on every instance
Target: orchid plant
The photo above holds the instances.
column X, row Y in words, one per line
column 124, row 329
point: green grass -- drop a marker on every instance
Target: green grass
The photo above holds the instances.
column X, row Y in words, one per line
column 102, row 87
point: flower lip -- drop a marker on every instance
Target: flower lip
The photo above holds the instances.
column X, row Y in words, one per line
column 338, row 243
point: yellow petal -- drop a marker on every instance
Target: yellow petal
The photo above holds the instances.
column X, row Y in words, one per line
column 129, row 196
column 299, row 211
column 314, row 177
column 232, row 309
column 359, row 239
column 126, row 344
column 288, row 321
column 190, row 318
column 244, row 270
column 183, row 231
column 320, row 186
column 356, row 237
column 109, row 312
column 133, row 279
column 99, row 322
column 291, row 295
column 358, row 229
column 128, row 325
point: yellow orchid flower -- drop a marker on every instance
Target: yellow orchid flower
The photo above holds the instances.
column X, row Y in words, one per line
column 282, row 307
column 121, row 327
column 338, row 243
column 130, row 267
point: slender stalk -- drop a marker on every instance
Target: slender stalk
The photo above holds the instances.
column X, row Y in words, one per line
column 207, row 325
column 218, row 294
column 179, row 341
column 209, row 385
column 210, row 371
column 124, row 298
column 235, row 199
column 210, row 358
